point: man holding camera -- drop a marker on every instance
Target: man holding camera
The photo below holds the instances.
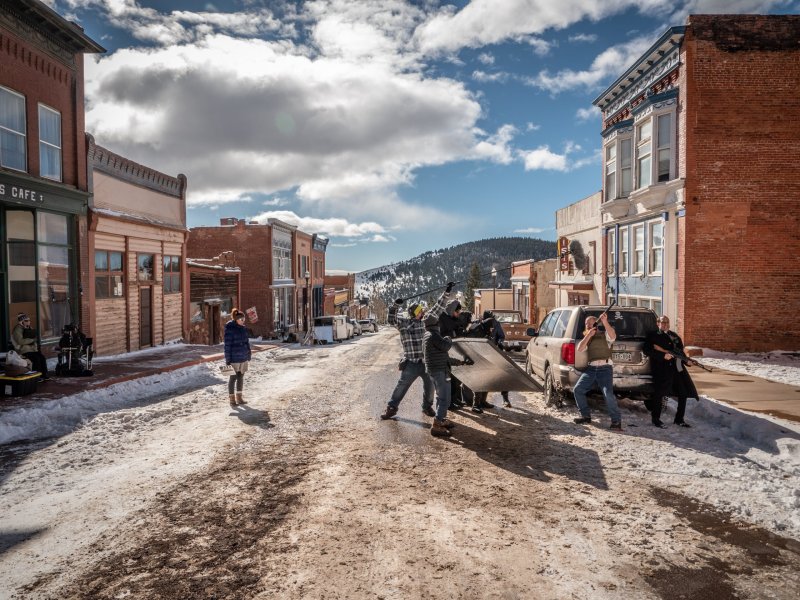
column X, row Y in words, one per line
column 597, row 344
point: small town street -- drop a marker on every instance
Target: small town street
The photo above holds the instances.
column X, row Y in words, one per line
column 305, row 493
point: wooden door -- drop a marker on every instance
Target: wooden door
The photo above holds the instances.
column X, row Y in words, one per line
column 215, row 328
column 145, row 316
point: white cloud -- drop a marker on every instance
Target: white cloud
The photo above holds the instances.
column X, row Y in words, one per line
column 587, row 114
column 483, row 22
column 337, row 227
column 543, row 159
column 540, row 46
column 148, row 24
column 497, row 147
column 484, row 77
column 533, row 230
column 275, row 202
column 609, row 63
column 583, row 37
column 529, row 126
column 486, row 58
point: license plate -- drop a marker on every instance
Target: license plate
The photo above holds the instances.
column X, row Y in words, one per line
column 622, row 356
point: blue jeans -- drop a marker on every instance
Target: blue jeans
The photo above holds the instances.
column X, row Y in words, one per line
column 604, row 377
column 442, row 385
column 409, row 375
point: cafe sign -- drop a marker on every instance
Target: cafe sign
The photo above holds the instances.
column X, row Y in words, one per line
column 17, row 193
column 35, row 193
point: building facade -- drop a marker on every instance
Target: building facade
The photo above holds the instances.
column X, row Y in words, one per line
column 530, row 284
column 214, row 285
column 43, row 180
column 137, row 248
column 701, row 189
column 271, row 282
column 579, row 271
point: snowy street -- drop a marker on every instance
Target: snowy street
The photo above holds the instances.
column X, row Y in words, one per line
column 164, row 491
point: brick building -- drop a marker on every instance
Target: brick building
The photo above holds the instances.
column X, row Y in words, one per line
column 43, row 179
column 701, row 188
column 272, row 283
column 214, row 285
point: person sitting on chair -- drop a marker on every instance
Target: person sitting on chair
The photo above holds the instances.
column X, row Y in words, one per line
column 23, row 337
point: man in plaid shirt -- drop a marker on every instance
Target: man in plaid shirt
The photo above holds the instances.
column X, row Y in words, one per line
column 412, row 330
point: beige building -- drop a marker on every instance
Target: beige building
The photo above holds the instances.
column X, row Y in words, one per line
column 579, row 268
column 136, row 254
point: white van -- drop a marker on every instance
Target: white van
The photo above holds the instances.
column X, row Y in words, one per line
column 330, row 329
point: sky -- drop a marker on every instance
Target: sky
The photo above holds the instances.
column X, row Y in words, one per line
column 392, row 127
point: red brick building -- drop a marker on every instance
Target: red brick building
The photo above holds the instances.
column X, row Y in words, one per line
column 43, row 178
column 701, row 187
column 214, row 285
column 272, row 273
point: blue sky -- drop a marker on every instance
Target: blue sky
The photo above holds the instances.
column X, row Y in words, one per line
column 392, row 127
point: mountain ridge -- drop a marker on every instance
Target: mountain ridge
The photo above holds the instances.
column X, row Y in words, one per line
column 435, row 268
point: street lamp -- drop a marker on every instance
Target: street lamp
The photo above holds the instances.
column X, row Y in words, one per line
column 494, row 287
column 308, row 301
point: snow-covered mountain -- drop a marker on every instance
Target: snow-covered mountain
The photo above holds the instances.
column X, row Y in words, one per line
column 435, row 268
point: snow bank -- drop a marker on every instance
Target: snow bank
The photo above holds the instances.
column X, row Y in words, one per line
column 52, row 418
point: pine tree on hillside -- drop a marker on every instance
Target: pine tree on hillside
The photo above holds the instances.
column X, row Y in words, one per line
column 473, row 282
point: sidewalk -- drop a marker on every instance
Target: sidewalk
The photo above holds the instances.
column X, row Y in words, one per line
column 749, row 393
column 124, row 367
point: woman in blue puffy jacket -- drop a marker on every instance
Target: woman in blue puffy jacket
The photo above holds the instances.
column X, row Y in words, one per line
column 237, row 354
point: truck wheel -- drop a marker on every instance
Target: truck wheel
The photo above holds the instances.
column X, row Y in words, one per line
column 551, row 395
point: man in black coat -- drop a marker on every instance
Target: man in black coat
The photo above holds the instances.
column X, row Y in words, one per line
column 452, row 324
column 670, row 377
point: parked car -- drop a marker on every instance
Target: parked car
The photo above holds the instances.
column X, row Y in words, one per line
column 514, row 328
column 551, row 354
column 355, row 325
column 368, row 325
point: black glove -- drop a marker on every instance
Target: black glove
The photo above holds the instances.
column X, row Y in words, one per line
column 450, row 286
column 399, row 301
column 468, row 361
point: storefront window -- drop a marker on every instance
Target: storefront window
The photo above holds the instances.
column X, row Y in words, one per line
column 54, row 308
column 21, row 265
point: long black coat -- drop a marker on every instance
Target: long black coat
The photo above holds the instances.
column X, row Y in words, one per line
column 667, row 380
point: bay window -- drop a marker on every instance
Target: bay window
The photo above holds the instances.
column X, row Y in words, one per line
column 611, row 171
column 644, row 134
column 664, row 146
